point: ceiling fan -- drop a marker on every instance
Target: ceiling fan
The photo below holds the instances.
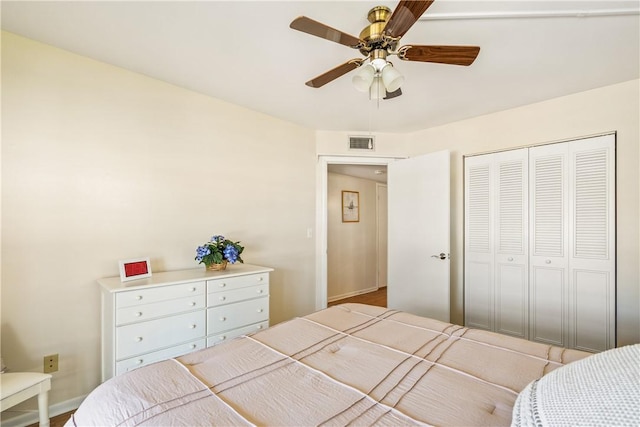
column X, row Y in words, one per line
column 378, row 41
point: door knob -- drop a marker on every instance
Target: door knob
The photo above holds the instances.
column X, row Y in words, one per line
column 441, row 256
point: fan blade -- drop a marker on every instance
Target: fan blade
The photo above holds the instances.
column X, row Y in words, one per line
column 315, row 28
column 404, row 16
column 456, row 55
column 334, row 73
column 394, row 94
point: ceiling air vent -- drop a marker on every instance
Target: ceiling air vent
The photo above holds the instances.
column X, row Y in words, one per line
column 361, row 143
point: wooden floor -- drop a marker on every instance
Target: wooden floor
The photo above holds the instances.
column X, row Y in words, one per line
column 378, row 298
column 57, row 421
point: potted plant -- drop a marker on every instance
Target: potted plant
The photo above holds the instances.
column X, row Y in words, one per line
column 216, row 253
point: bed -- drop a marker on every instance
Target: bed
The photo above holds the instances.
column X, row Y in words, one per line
column 350, row 364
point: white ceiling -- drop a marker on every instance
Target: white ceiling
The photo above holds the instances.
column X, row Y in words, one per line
column 244, row 52
column 376, row 173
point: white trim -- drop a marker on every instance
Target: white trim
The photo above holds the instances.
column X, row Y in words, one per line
column 28, row 417
column 321, row 217
column 353, row 294
column 378, row 186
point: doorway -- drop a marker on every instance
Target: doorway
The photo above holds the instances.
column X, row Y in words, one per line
column 354, row 254
column 323, row 220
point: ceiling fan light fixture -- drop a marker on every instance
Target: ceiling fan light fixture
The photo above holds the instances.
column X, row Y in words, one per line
column 391, row 78
column 364, row 78
column 379, row 40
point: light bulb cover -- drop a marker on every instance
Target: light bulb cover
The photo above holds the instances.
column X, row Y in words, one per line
column 379, row 63
column 391, row 78
column 363, row 78
column 377, row 90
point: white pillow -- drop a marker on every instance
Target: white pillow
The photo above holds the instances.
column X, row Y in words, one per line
column 603, row 389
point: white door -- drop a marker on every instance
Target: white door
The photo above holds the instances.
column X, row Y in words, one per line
column 418, row 224
column 496, row 251
column 511, row 247
column 381, row 207
column 479, row 253
column 592, row 248
column 549, row 235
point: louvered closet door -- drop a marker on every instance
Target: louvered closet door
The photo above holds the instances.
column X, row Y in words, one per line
column 592, row 249
column 549, row 261
column 478, row 242
column 540, row 243
column 511, row 251
column 496, row 252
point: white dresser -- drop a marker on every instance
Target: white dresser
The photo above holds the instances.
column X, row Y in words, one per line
column 175, row 312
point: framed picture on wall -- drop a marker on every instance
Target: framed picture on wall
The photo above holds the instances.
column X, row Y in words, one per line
column 135, row 268
column 350, row 206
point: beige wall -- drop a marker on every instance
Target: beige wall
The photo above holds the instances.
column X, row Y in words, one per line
column 612, row 108
column 100, row 164
column 352, row 254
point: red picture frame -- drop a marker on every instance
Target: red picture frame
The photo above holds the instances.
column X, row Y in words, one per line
column 135, row 268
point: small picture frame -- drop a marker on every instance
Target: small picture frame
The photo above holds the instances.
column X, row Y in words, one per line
column 350, row 206
column 135, row 268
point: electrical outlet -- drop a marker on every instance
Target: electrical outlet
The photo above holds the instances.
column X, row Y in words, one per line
column 50, row 363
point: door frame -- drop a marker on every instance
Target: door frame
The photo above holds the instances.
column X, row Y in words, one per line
column 379, row 244
column 322, row 213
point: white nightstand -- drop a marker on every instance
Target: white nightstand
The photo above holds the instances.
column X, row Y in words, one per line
column 16, row 387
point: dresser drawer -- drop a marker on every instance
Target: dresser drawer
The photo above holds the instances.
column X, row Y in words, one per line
column 156, row 356
column 224, row 284
column 236, row 295
column 232, row 316
column 142, row 312
column 160, row 293
column 143, row 337
column 226, row 336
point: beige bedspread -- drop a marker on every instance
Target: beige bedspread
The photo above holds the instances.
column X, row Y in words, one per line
column 350, row 364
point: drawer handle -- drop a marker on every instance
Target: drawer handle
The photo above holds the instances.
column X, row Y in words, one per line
column 548, row 261
column 193, row 346
column 259, row 326
column 138, row 314
column 222, row 285
column 222, row 319
column 138, row 339
column 193, row 304
column 192, row 326
column 223, row 337
column 223, row 298
column 140, row 361
column 260, row 291
column 138, row 297
column 192, row 289
column 260, row 310
column 510, row 258
column 260, row 279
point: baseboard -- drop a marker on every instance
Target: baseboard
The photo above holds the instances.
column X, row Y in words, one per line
column 351, row 294
column 26, row 418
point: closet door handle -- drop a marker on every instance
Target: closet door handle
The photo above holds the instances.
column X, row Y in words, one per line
column 442, row 255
